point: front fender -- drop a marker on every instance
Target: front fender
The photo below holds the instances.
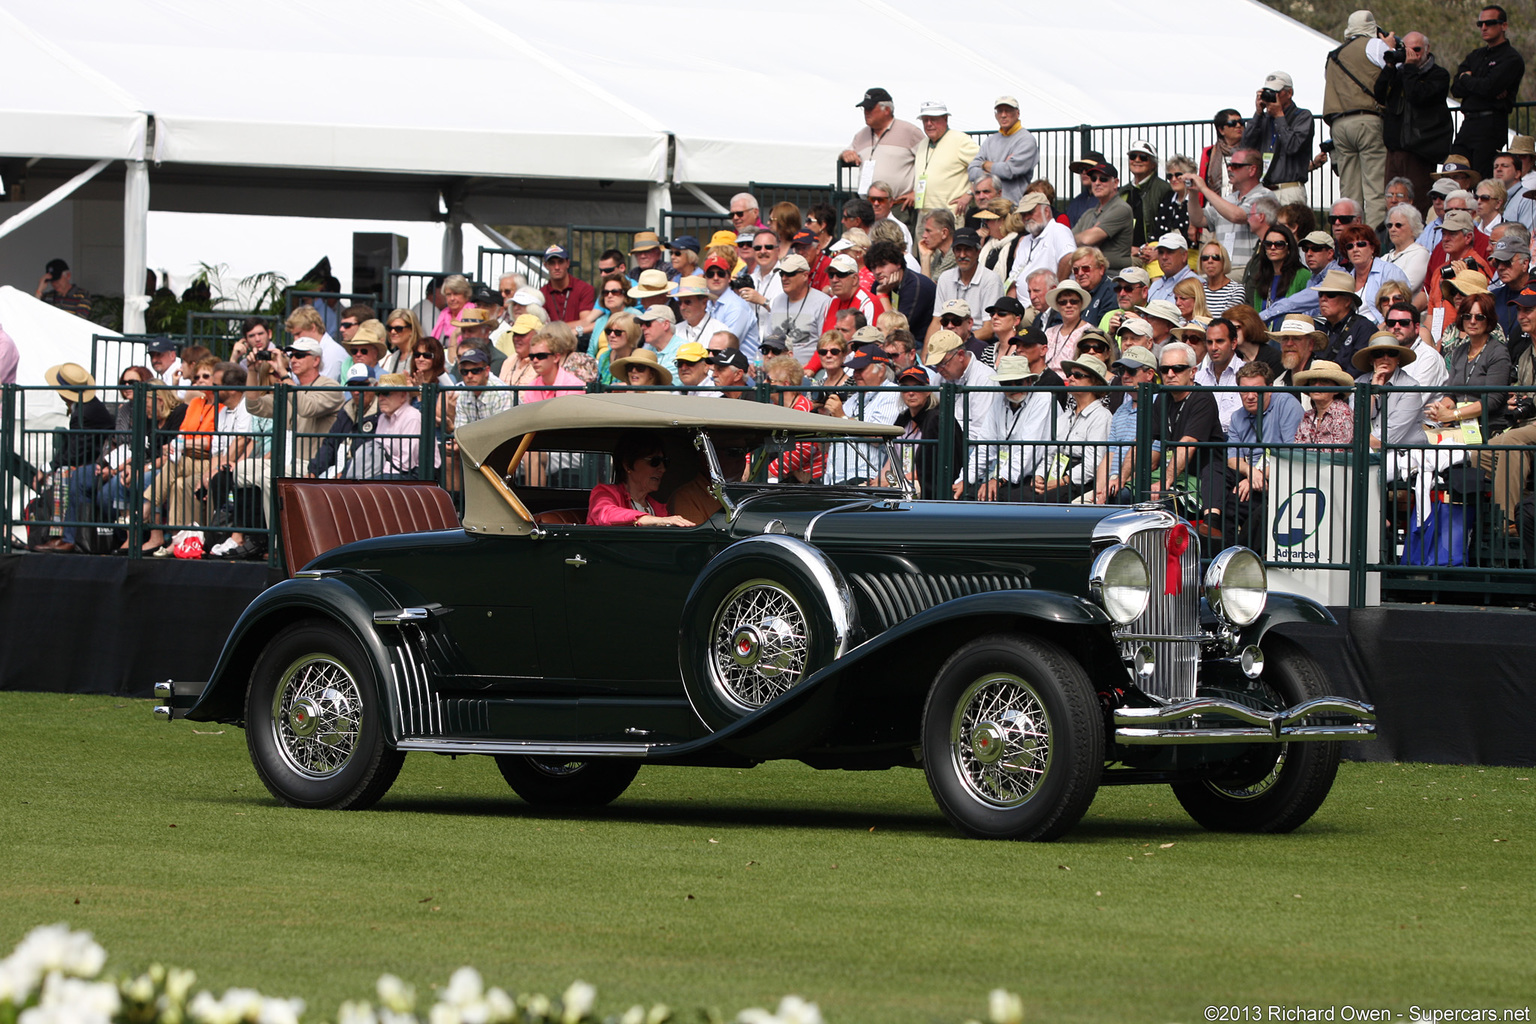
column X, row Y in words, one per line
column 346, row 599
column 1285, row 607
column 874, row 694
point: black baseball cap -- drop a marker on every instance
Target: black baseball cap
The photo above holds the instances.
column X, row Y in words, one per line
column 1007, row 304
column 967, row 238
column 730, row 357
column 872, row 97
column 472, row 354
column 866, row 354
column 56, row 267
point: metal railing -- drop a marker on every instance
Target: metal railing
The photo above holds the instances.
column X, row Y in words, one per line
column 1349, row 522
column 491, row 263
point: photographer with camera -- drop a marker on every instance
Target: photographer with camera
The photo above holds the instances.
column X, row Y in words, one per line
column 1416, row 123
column 1354, row 116
column 1282, row 132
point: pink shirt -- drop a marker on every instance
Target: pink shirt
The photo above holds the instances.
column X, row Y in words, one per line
column 563, row 379
column 400, row 434
column 442, row 327
column 9, row 357
column 609, row 506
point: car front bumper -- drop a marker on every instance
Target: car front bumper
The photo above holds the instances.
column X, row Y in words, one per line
column 1214, row 720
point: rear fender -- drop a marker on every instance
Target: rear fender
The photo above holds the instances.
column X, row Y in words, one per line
column 345, row 599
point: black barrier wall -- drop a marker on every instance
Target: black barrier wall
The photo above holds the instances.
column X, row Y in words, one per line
column 1451, row 685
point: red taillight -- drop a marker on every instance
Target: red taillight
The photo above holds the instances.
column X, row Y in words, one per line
column 1178, row 543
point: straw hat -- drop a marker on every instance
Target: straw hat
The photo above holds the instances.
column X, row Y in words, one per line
column 1383, row 343
column 1068, row 286
column 642, row 357
column 1324, row 371
column 651, row 283
column 1457, row 164
column 1339, row 282
column 1011, row 368
column 394, row 380
column 1520, row 145
column 476, row 317
column 72, row 381
column 1467, row 282
column 1196, row 325
column 1300, row 326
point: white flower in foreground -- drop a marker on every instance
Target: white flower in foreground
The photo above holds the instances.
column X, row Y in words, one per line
column 794, row 1010
column 178, row 984
column 86, row 1002
column 756, row 1015
column 577, row 1002
column 634, row 1015
column 53, row 947
column 465, row 987
column 395, row 994
column 17, row 980
column 1005, row 1007
column 444, row 1013
column 659, row 1014
column 356, row 1012
column 58, row 1015
column 140, row 989
column 280, row 1011
column 391, row 1017
column 539, row 1006
column 500, row 1006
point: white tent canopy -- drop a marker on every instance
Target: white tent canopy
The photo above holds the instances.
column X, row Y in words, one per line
column 421, row 106
column 592, row 88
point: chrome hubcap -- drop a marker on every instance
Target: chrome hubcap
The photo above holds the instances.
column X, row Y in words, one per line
column 1000, row 740
column 316, row 716
column 759, row 643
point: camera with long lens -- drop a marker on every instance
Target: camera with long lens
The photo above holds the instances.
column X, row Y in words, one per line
column 1525, row 408
column 741, row 281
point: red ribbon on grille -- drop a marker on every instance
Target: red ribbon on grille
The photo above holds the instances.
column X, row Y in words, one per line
column 1173, row 575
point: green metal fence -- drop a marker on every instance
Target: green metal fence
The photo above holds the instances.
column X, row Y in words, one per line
column 491, row 264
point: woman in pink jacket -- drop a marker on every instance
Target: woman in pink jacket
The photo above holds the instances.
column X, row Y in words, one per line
column 639, row 465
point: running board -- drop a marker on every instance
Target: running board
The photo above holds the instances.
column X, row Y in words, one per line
column 536, row 748
column 1139, row 726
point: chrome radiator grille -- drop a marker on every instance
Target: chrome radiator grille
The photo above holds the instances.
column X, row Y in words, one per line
column 1169, row 615
column 896, row 597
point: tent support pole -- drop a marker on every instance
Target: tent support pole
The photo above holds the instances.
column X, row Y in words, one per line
column 53, row 199
column 135, row 245
column 705, row 198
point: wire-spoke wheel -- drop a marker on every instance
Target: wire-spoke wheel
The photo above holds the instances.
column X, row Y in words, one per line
column 312, row 721
column 1000, row 740
column 551, row 781
column 1270, row 787
column 315, row 716
column 759, row 643
column 1013, row 744
column 765, row 615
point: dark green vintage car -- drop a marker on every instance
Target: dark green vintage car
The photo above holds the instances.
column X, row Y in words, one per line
column 1021, row 655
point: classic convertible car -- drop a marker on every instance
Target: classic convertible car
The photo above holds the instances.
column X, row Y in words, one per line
column 1020, row 655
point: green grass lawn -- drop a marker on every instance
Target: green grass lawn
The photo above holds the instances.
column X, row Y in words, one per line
column 703, row 887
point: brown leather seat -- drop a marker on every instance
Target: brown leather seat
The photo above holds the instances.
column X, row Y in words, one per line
column 315, row 516
column 567, row 516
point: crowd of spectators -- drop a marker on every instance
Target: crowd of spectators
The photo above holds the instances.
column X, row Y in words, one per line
column 955, row 263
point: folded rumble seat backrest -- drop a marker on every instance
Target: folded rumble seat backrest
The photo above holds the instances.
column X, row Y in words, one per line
column 315, row 516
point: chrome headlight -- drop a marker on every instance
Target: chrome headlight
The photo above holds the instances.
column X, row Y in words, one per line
column 1237, row 586
column 1120, row 583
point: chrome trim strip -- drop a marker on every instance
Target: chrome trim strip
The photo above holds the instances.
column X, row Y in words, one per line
column 1289, row 734
column 399, row 615
column 1263, row 726
column 1171, row 637
column 717, row 491
column 1122, row 526
column 533, row 747
column 1217, row 705
column 848, row 507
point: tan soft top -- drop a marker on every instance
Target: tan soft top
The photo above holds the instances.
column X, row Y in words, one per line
column 594, row 423
column 584, row 421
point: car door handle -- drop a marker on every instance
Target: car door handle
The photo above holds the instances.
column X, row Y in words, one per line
column 576, row 561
